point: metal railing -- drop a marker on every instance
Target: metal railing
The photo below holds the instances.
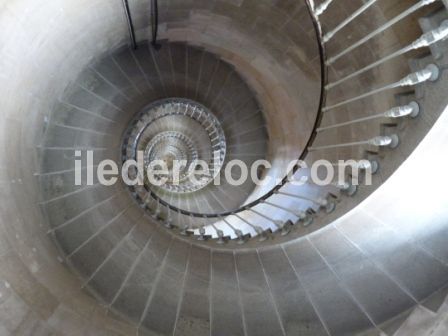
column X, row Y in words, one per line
column 206, row 226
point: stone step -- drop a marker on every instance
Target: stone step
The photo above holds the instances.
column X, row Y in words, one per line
column 418, row 323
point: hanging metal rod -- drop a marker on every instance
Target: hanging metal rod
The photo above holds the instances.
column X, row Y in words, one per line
column 155, row 24
column 130, row 23
column 381, row 29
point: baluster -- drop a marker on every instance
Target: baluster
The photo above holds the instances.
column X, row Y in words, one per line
column 412, row 110
column 277, row 223
column 193, row 112
column 184, row 228
column 238, row 233
column 261, row 233
column 373, row 165
column 391, row 141
column 221, row 240
column 352, row 17
column 381, row 29
column 346, row 187
column 169, row 220
column 321, row 202
column 202, row 236
column 430, row 73
column 322, row 7
column 301, row 216
column 157, row 212
column 425, row 40
column 285, row 227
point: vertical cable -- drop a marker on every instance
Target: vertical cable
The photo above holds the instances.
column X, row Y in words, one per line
column 155, row 24
column 130, row 24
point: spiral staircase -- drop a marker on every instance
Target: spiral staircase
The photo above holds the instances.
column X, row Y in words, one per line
column 224, row 79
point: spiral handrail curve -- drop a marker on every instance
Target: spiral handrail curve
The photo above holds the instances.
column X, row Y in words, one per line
column 305, row 152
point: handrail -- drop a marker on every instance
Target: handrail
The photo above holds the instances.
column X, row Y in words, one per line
column 285, row 180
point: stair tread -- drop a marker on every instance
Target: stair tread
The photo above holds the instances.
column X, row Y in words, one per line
column 436, row 301
column 417, row 323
